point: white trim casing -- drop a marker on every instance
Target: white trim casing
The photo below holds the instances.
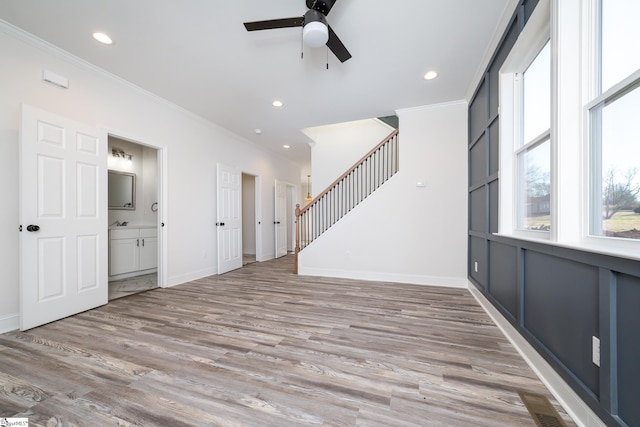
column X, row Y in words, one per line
column 530, row 41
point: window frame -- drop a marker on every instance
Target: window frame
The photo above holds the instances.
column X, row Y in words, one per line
column 531, row 41
column 594, row 101
column 573, row 28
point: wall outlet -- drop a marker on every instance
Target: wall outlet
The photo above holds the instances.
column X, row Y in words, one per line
column 595, row 351
column 475, row 266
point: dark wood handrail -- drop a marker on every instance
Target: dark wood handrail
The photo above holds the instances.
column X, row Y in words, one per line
column 365, row 176
column 351, row 169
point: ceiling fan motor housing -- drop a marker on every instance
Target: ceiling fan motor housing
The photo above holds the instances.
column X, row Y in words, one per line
column 322, row 6
column 315, row 32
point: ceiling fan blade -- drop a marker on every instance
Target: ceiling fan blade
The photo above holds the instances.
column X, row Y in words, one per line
column 273, row 24
column 337, row 47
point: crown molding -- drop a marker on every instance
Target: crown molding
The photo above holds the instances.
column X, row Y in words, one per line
column 51, row 49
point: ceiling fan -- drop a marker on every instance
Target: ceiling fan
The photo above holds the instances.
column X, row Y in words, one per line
column 315, row 30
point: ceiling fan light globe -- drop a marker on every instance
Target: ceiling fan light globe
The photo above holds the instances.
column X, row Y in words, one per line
column 315, row 34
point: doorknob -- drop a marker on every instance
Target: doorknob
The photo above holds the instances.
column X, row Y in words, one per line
column 33, row 227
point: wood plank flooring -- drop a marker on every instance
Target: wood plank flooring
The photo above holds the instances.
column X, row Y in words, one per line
column 262, row 347
column 132, row 285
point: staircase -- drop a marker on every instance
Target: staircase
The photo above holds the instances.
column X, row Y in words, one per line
column 346, row 192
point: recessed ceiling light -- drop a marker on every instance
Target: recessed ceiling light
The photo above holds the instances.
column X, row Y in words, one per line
column 277, row 103
column 286, row 146
column 430, row 75
column 102, row 38
column 258, row 131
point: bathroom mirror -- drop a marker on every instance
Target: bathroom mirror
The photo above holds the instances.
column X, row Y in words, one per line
column 122, row 190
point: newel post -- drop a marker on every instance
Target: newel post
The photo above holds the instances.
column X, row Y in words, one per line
column 297, row 249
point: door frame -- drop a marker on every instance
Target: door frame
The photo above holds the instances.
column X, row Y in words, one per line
column 161, row 179
column 257, row 185
column 290, row 201
column 258, row 203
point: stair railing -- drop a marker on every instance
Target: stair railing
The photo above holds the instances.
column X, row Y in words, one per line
column 346, row 192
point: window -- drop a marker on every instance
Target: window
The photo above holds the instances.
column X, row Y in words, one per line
column 526, row 176
column 614, row 125
column 569, row 121
column 533, row 155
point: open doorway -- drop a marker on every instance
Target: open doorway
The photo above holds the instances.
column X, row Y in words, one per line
column 284, row 217
column 292, row 200
column 133, row 188
column 249, row 219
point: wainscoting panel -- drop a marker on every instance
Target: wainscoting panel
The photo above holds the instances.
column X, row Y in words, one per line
column 478, row 113
column 494, row 147
column 508, row 40
column 478, row 254
column 494, row 198
column 561, row 310
column 503, row 277
column 478, row 163
column 478, row 210
column 628, row 339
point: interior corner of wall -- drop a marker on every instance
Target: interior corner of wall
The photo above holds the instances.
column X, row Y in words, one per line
column 9, row 323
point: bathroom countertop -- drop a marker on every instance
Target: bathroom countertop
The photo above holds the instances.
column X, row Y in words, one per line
column 124, row 227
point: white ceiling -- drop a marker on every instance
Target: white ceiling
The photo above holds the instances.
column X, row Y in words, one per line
column 197, row 54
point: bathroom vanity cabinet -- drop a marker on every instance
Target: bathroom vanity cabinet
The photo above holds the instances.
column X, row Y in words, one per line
column 132, row 251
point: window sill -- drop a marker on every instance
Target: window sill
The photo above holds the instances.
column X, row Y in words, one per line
column 532, row 236
column 620, row 248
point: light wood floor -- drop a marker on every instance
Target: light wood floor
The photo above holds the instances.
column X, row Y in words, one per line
column 262, row 347
column 132, row 285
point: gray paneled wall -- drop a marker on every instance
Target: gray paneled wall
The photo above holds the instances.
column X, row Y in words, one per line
column 627, row 318
column 557, row 298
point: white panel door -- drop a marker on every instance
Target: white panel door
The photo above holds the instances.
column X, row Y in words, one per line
column 63, row 214
column 229, row 221
column 280, row 220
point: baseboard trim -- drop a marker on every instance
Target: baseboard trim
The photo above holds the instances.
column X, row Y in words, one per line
column 413, row 279
column 9, row 323
column 179, row 280
column 569, row 399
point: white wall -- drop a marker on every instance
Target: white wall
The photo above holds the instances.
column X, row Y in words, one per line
column 192, row 147
column 402, row 232
column 337, row 147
